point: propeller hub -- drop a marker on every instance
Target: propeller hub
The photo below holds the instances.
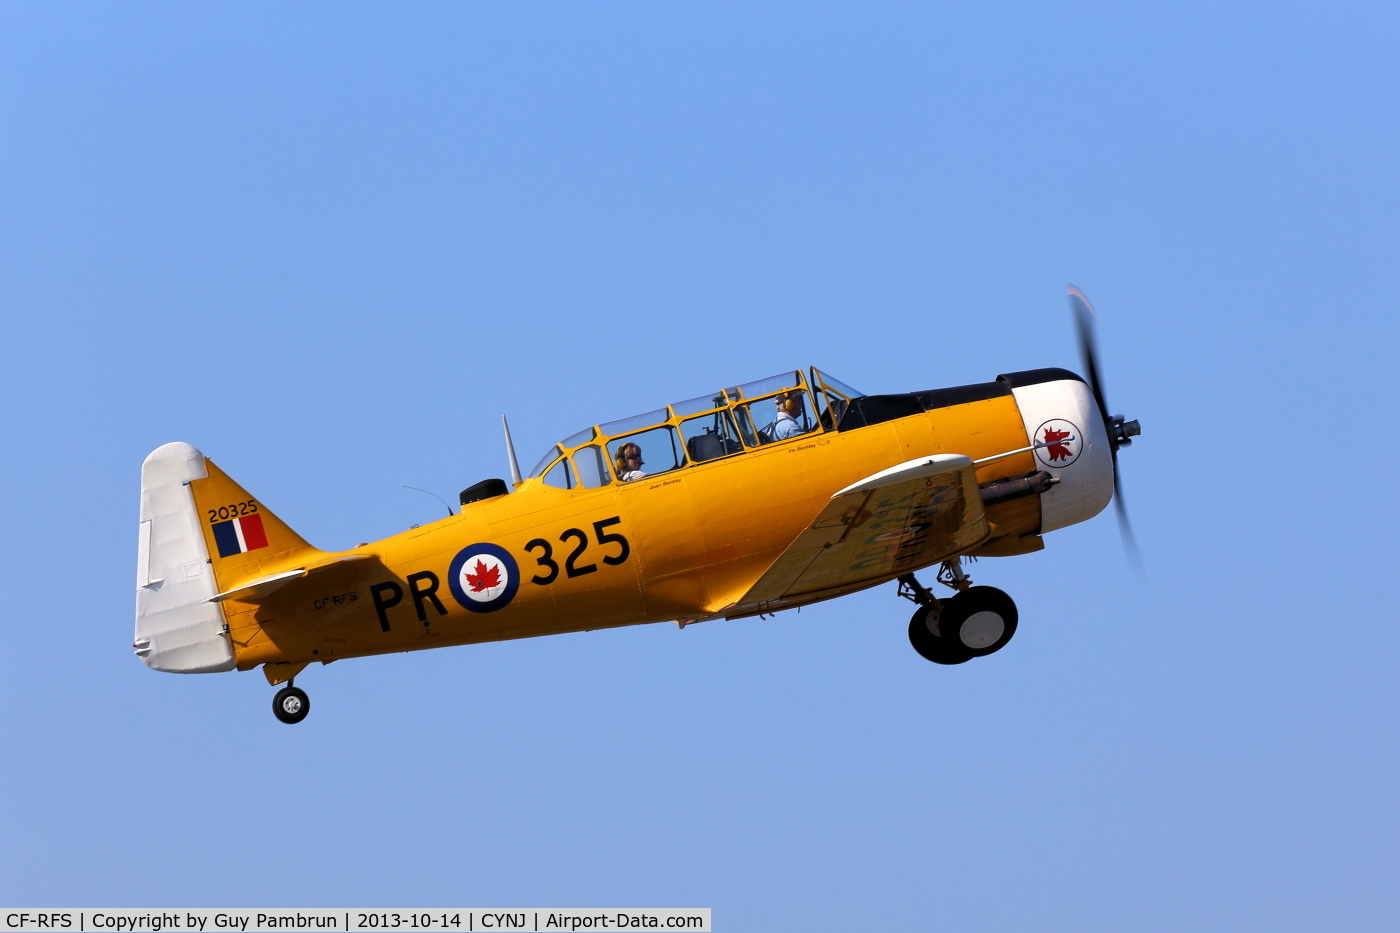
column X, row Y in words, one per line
column 1121, row 432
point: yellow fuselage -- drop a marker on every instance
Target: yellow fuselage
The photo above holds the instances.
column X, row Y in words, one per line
column 696, row 539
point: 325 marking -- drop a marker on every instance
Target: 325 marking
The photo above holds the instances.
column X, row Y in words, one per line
column 571, row 566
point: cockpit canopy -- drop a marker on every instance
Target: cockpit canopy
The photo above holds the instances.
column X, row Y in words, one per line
column 708, row 427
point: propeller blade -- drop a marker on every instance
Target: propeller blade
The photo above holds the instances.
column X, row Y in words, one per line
column 1084, row 316
column 1125, row 527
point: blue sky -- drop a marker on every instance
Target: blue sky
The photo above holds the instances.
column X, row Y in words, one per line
column 330, row 244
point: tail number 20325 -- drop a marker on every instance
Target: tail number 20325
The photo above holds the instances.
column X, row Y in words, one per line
column 580, row 542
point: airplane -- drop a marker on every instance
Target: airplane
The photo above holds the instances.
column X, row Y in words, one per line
column 741, row 502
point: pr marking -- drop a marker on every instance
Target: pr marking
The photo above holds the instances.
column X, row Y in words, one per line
column 485, row 577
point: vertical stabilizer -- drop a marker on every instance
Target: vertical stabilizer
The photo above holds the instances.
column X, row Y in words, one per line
column 242, row 536
column 177, row 628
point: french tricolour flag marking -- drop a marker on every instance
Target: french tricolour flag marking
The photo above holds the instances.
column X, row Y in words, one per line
column 239, row 535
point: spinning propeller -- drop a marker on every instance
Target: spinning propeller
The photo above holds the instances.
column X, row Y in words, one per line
column 1120, row 431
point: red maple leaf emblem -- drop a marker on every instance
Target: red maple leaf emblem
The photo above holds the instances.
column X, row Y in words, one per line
column 1056, row 451
column 484, row 577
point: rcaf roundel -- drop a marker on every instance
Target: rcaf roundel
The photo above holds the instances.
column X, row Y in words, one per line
column 483, row 577
column 1063, row 442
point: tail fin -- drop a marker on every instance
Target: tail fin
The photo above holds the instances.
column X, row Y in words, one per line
column 242, row 534
column 200, row 532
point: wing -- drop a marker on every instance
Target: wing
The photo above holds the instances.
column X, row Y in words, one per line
column 891, row 523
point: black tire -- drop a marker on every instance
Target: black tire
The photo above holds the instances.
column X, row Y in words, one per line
column 924, row 636
column 291, row 704
column 980, row 620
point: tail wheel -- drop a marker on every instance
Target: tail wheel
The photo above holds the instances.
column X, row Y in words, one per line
column 980, row 620
column 291, row 704
column 924, row 635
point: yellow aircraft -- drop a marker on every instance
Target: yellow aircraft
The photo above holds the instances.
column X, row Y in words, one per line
column 741, row 502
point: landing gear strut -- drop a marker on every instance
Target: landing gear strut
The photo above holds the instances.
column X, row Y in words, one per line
column 974, row 622
column 291, row 704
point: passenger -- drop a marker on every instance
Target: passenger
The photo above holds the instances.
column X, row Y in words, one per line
column 629, row 463
column 790, row 408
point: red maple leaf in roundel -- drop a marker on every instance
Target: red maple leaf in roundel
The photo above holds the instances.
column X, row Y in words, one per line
column 483, row 577
column 1056, row 451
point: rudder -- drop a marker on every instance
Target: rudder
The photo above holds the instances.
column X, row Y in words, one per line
column 201, row 533
column 178, row 629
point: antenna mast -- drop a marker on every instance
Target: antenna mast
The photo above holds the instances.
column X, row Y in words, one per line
column 510, row 452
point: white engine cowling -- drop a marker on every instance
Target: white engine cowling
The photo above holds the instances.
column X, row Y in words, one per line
column 1058, row 408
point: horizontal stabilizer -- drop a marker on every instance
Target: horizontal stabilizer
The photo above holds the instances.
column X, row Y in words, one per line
column 254, row 590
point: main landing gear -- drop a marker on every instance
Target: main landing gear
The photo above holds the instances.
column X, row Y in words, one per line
column 291, row 704
column 975, row 621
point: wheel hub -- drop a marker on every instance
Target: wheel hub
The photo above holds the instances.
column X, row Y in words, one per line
column 982, row 629
column 291, row 705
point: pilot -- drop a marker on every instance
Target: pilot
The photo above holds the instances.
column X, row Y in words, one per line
column 629, row 462
column 790, row 409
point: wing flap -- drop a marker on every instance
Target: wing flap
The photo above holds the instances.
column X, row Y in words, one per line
column 894, row 521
